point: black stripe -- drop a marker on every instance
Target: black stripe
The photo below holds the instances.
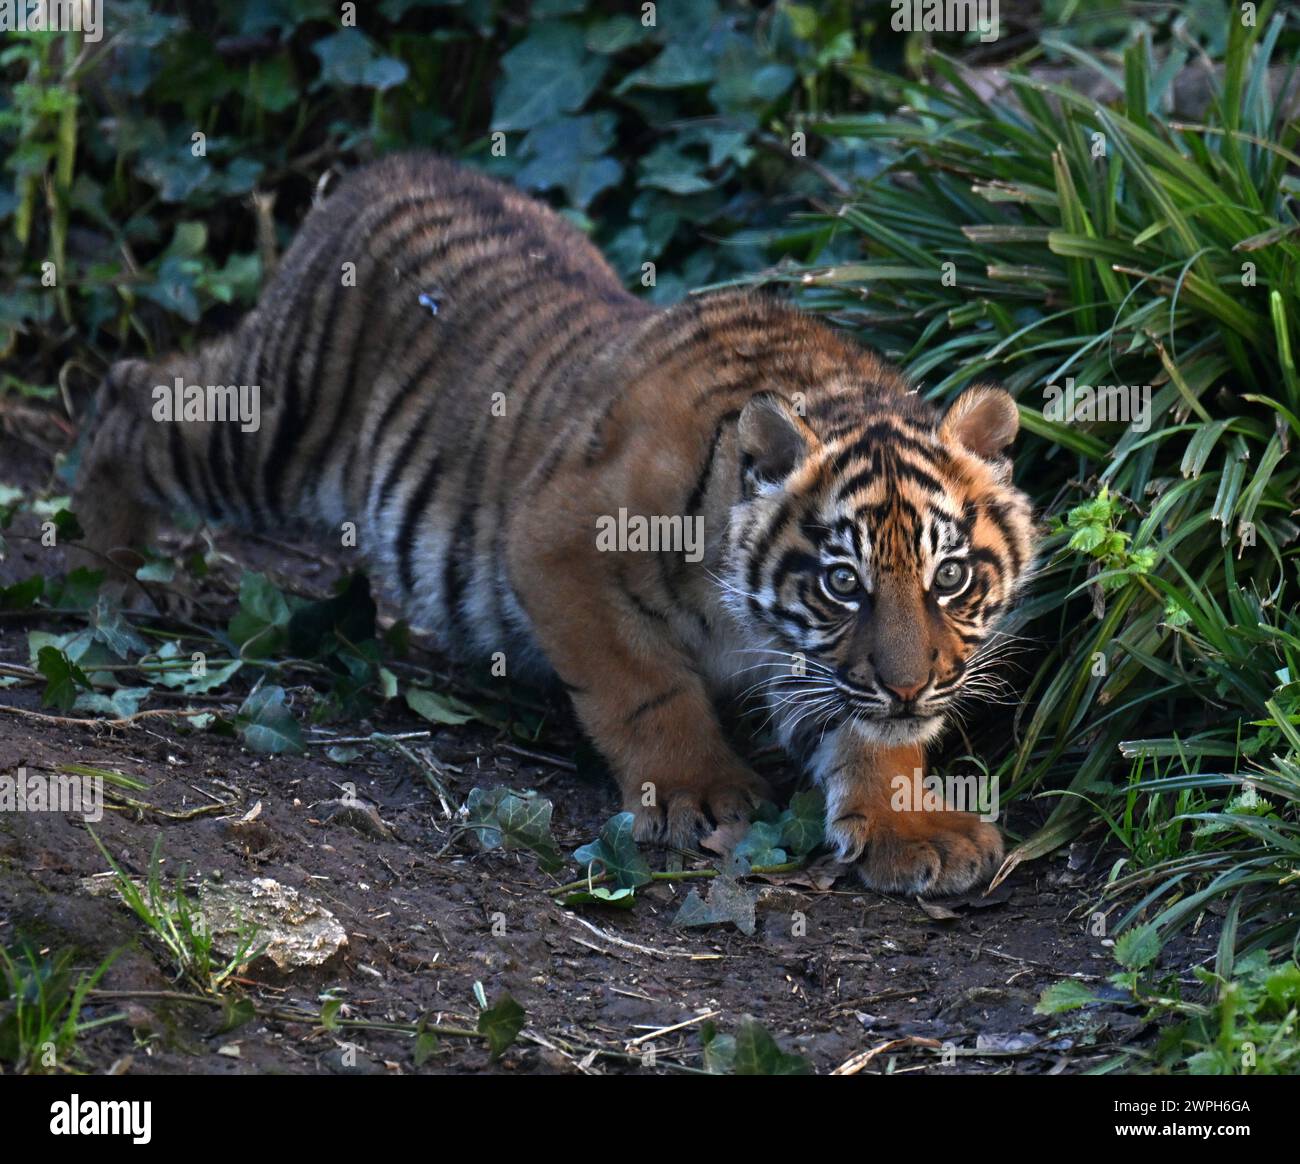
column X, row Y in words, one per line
column 290, row 418
column 415, row 504
column 702, row 479
column 638, row 603
column 760, row 550
column 653, row 703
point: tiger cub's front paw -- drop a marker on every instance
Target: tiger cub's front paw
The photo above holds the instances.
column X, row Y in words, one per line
column 682, row 811
column 932, row 854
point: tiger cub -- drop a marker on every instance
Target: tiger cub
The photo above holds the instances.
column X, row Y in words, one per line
column 662, row 508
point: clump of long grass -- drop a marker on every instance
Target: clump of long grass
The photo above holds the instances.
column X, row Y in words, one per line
column 1043, row 236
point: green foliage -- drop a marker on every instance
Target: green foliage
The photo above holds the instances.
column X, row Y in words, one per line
column 1247, row 1024
column 501, row 818
column 750, row 1051
column 178, row 925
column 1093, row 531
column 1044, row 236
column 727, row 901
column 266, row 724
column 130, row 166
column 41, row 1000
column 615, row 852
column 65, row 678
column 501, row 1024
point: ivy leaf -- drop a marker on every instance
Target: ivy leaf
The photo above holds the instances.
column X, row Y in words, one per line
column 271, row 84
column 66, row 526
column 615, row 853
column 426, row 1045
column 349, row 57
column 571, row 154
column 501, row 1024
column 547, row 74
column 64, row 677
column 759, row 846
column 123, row 702
column 613, row 34
column 750, row 1051
column 747, row 83
column 317, row 627
column 157, row 570
column 728, row 901
column 261, row 626
column 501, row 817
column 77, row 590
column 803, row 824
column 22, row 595
column 267, row 725
column 184, row 678
column 667, row 168
column 438, row 708
column 757, row 1053
column 235, row 1012
column 679, row 66
column 111, row 629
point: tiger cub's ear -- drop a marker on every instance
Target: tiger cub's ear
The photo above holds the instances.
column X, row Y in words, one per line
column 773, row 440
column 983, row 421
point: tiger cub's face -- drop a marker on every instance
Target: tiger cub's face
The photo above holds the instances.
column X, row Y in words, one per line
column 879, row 561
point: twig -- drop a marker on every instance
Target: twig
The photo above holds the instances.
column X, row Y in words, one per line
column 699, row 1018
column 606, row 936
column 124, row 721
column 855, row 1063
column 370, row 739
column 675, row 875
column 541, row 757
column 426, row 766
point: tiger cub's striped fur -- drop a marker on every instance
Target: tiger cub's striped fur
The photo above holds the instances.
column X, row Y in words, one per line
column 452, row 367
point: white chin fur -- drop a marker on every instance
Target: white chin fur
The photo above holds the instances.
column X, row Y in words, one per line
column 895, row 733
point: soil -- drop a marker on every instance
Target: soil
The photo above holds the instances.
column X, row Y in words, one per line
column 831, row 973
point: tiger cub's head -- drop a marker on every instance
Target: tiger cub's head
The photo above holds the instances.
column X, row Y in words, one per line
column 878, row 552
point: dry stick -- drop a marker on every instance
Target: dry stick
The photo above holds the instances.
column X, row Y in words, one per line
column 370, row 739
column 396, row 1028
column 426, row 767
column 124, row 721
column 541, row 757
column 675, row 875
column 699, row 1018
column 855, row 1063
column 605, row 935
column 291, row 1016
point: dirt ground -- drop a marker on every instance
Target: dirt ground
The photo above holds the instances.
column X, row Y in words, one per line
column 428, row 914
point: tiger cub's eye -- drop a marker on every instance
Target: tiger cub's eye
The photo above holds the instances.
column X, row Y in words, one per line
column 842, row 581
column 951, row 576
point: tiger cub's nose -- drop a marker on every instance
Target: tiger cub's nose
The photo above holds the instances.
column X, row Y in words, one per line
column 904, row 692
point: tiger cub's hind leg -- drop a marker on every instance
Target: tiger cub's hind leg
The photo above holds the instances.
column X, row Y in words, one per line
column 114, row 506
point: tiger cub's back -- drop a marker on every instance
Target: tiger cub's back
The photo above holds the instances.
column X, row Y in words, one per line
column 418, row 351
